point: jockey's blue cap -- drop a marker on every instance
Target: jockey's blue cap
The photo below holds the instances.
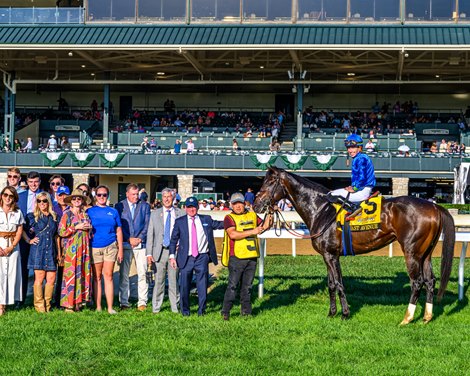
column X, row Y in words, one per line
column 353, row 140
column 191, row 201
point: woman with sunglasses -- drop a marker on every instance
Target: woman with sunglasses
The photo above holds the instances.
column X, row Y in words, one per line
column 87, row 192
column 55, row 182
column 11, row 228
column 106, row 246
column 74, row 228
column 41, row 233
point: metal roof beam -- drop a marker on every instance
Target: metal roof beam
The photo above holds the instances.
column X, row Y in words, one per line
column 91, row 59
column 193, row 61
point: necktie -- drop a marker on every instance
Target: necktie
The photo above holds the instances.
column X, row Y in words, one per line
column 194, row 247
column 166, row 233
column 132, row 210
column 33, row 204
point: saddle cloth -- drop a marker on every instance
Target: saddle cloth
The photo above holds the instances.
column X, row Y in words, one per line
column 369, row 219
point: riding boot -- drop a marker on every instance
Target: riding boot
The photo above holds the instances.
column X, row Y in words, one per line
column 39, row 298
column 48, row 292
column 353, row 208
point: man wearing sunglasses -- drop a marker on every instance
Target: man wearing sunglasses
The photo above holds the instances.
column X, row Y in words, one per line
column 362, row 179
column 27, row 204
column 14, row 179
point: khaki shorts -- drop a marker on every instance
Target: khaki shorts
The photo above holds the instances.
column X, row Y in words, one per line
column 108, row 253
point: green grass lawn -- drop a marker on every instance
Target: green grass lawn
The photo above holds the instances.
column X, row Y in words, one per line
column 289, row 333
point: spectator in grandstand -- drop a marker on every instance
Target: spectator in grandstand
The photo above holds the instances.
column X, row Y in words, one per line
column 74, row 228
column 178, row 122
column 434, row 148
column 6, row 144
column 370, row 146
column 143, row 196
column 14, row 179
column 144, row 145
column 156, row 123
column 40, row 232
column 376, row 108
column 462, row 148
column 51, row 143
column 106, row 245
column 153, row 144
column 62, row 104
column 177, row 146
column 461, row 124
column 285, row 205
column 240, row 253
column 189, row 146
column 362, row 178
column 94, row 106
column 443, row 146
column 274, row 145
column 235, row 146
column 249, row 196
column 11, row 226
column 135, row 216
column 29, row 145
column 55, row 182
column 160, row 228
column 85, row 188
column 193, row 234
column 64, row 143
column 16, row 145
column 167, row 105
column 204, row 205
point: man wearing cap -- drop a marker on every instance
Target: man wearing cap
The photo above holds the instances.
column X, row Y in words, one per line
column 240, row 253
column 194, row 236
column 162, row 221
column 59, row 207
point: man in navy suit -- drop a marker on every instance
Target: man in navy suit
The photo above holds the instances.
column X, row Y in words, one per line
column 27, row 203
column 194, row 236
column 135, row 217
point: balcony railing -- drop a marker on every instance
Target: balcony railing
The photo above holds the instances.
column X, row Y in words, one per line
column 42, row 15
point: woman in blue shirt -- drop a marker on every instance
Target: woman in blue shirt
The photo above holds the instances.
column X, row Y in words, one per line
column 362, row 178
column 106, row 243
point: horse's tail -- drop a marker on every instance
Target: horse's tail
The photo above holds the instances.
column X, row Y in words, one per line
column 448, row 230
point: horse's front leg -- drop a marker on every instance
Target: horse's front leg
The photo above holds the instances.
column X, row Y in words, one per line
column 335, row 285
column 332, row 293
column 340, row 289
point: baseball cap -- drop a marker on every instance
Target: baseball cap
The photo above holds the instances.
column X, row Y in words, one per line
column 191, row 201
column 63, row 190
column 237, row 197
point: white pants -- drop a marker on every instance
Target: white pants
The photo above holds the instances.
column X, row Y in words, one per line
column 353, row 197
column 142, row 286
column 10, row 277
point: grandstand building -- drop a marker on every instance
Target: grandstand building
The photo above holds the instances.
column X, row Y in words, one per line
column 107, row 73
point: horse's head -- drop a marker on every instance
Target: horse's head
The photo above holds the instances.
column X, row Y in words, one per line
column 271, row 191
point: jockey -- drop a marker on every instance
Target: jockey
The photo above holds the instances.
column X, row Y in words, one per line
column 362, row 179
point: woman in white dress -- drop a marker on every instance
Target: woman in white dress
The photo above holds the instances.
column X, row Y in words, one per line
column 11, row 228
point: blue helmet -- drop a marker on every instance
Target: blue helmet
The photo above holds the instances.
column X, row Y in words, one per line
column 353, row 140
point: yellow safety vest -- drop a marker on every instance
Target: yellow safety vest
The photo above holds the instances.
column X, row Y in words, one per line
column 243, row 248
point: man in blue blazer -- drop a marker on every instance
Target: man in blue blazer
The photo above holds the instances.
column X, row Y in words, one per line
column 27, row 203
column 193, row 234
column 135, row 217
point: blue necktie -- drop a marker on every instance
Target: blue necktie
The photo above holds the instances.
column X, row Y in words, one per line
column 132, row 210
column 166, row 233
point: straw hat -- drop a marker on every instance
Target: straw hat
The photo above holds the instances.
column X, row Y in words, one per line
column 77, row 193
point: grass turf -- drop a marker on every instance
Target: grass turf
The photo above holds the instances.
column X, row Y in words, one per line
column 289, row 333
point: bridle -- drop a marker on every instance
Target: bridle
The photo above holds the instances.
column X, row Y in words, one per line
column 280, row 222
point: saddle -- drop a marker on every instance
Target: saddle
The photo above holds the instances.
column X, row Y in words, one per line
column 369, row 218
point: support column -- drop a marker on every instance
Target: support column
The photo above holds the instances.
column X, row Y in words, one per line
column 106, row 116
column 6, row 112
column 300, row 104
column 12, row 118
column 80, row 179
column 185, row 186
column 400, row 186
column 3, row 180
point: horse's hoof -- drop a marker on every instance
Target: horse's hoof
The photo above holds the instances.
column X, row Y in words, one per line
column 331, row 315
column 405, row 322
column 345, row 317
column 426, row 319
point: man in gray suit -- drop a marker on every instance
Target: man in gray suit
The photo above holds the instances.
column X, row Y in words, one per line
column 160, row 227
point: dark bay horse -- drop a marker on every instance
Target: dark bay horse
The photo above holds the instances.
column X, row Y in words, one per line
column 415, row 223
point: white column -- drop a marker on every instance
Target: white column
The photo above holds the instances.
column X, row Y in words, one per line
column 400, row 186
column 79, row 179
column 185, row 186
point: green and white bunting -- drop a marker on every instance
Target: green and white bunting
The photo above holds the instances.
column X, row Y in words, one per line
column 294, row 161
column 111, row 160
column 324, row 162
column 263, row 161
column 82, row 159
column 53, row 159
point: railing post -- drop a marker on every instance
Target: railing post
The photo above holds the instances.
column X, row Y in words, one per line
column 261, row 268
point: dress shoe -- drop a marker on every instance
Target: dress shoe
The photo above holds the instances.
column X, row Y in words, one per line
column 226, row 316
column 124, row 307
column 141, row 308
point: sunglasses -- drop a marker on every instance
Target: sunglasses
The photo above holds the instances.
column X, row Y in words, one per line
column 101, row 195
column 13, row 176
column 54, row 184
column 76, row 198
column 8, row 195
column 85, row 192
column 44, row 201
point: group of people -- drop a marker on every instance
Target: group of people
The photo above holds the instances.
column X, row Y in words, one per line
column 72, row 240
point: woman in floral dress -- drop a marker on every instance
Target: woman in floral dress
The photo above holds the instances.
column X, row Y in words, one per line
column 75, row 228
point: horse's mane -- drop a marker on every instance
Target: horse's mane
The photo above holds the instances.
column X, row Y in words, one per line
column 310, row 184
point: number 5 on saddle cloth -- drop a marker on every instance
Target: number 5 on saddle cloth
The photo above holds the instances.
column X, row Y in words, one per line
column 369, row 219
